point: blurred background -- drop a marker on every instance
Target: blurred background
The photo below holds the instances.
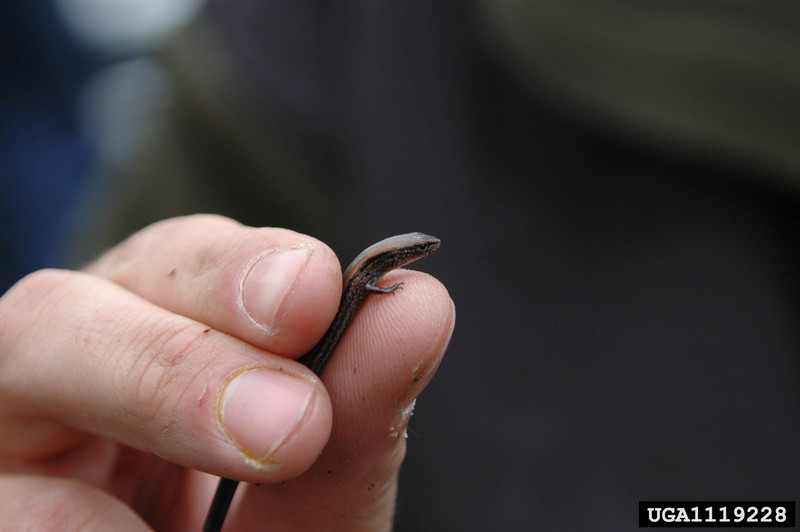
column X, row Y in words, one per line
column 615, row 185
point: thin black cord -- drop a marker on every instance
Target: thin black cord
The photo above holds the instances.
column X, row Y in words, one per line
column 219, row 506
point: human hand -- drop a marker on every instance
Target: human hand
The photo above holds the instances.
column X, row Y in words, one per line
column 124, row 388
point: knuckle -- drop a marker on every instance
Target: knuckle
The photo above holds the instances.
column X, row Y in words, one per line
column 33, row 285
column 25, row 302
column 160, row 375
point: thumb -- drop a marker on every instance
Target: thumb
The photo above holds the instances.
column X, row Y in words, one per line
column 380, row 366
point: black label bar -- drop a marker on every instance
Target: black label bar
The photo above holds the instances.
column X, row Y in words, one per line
column 717, row 514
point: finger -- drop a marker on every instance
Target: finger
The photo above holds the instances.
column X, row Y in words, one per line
column 82, row 352
column 381, row 365
column 36, row 503
column 274, row 288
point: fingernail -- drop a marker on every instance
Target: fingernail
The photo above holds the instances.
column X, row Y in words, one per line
column 267, row 283
column 260, row 408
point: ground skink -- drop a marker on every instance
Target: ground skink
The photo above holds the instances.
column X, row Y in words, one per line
column 359, row 280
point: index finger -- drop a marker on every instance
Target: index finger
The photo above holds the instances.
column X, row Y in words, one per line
column 273, row 288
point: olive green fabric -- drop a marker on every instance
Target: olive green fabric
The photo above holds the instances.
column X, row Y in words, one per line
column 719, row 79
column 715, row 81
